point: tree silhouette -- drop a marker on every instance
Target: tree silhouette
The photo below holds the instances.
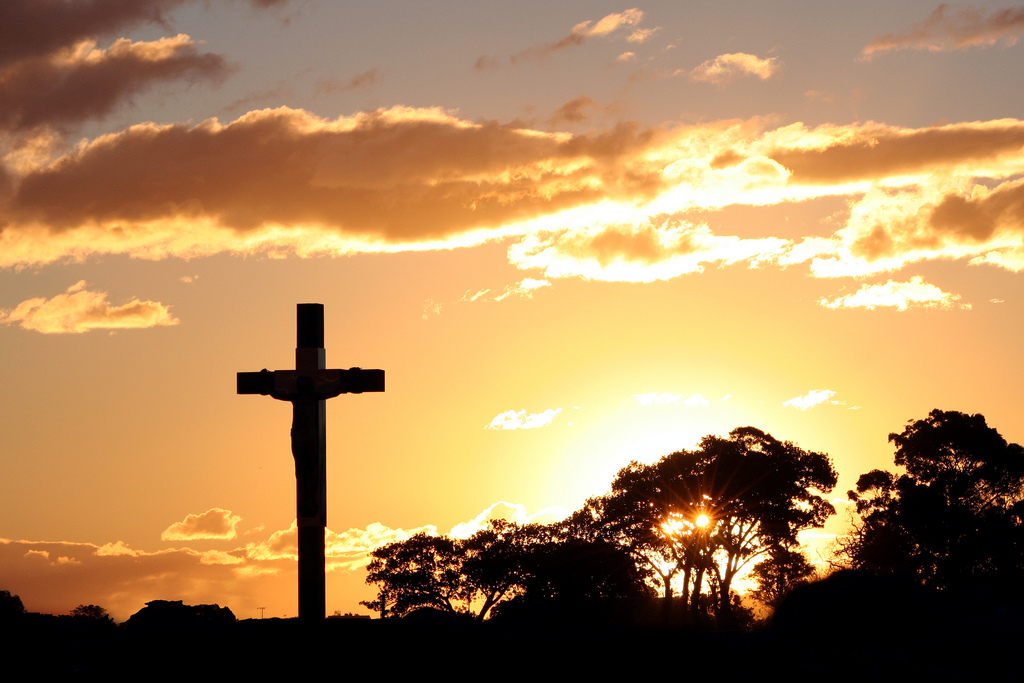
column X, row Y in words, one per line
column 421, row 571
column 954, row 518
column 91, row 613
column 11, row 606
column 705, row 514
column 503, row 562
column 780, row 572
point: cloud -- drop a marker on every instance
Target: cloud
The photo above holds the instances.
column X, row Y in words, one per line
column 661, row 248
column 945, row 30
column 583, row 31
column 811, row 399
column 576, row 110
column 726, row 68
column 616, row 204
column 512, row 419
column 642, row 35
column 287, row 176
column 53, row 577
column 81, row 82
column 33, row 28
column 872, row 152
column 899, row 295
column 215, row 523
column 351, row 549
column 512, row 512
column 696, row 400
column 367, row 79
column 523, row 289
column 79, row 310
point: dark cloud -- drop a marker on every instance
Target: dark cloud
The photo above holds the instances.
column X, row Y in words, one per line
column 34, row 28
column 67, row 89
column 51, row 73
column 880, row 151
column 398, row 174
column 945, row 30
column 977, row 219
column 576, row 110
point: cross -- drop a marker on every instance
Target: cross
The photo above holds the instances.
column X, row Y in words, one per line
column 308, row 387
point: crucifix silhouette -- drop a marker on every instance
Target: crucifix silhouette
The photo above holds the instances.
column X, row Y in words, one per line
column 307, row 388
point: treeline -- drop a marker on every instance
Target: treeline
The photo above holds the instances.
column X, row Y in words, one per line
column 688, row 525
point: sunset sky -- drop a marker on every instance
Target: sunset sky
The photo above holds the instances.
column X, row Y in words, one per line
column 572, row 234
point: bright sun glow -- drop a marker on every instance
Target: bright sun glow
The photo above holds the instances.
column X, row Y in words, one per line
column 702, row 520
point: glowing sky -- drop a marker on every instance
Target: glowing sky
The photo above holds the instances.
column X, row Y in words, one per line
column 573, row 234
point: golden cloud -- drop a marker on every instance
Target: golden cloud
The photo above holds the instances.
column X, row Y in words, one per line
column 834, row 155
column 584, row 30
column 609, row 204
column 943, row 30
column 391, row 176
column 899, row 295
column 661, row 248
column 726, row 68
column 215, row 523
column 79, row 310
column 348, row 550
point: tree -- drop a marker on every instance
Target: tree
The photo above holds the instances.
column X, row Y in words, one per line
column 421, row 571
column 11, row 606
column 954, row 517
column 497, row 564
column 780, row 572
column 92, row 613
column 705, row 514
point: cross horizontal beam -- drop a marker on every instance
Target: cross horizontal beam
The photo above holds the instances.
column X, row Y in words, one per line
column 287, row 385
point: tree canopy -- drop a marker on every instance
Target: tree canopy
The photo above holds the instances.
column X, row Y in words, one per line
column 704, row 514
column 498, row 564
column 954, row 517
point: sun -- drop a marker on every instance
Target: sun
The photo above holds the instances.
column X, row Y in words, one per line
column 702, row 520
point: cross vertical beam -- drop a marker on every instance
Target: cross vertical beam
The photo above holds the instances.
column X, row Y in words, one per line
column 307, row 388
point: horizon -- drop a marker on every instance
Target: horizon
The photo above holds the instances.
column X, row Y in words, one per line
column 572, row 236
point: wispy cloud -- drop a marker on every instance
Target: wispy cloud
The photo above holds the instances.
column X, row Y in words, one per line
column 79, row 310
column 899, row 295
column 642, row 35
column 524, row 289
column 954, row 30
column 366, row 79
column 583, row 31
column 214, row 523
column 695, row 401
column 512, row 512
column 576, row 110
column 724, row 69
column 813, row 398
column 520, row 419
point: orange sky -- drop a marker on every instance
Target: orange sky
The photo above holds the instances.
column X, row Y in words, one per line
column 571, row 236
